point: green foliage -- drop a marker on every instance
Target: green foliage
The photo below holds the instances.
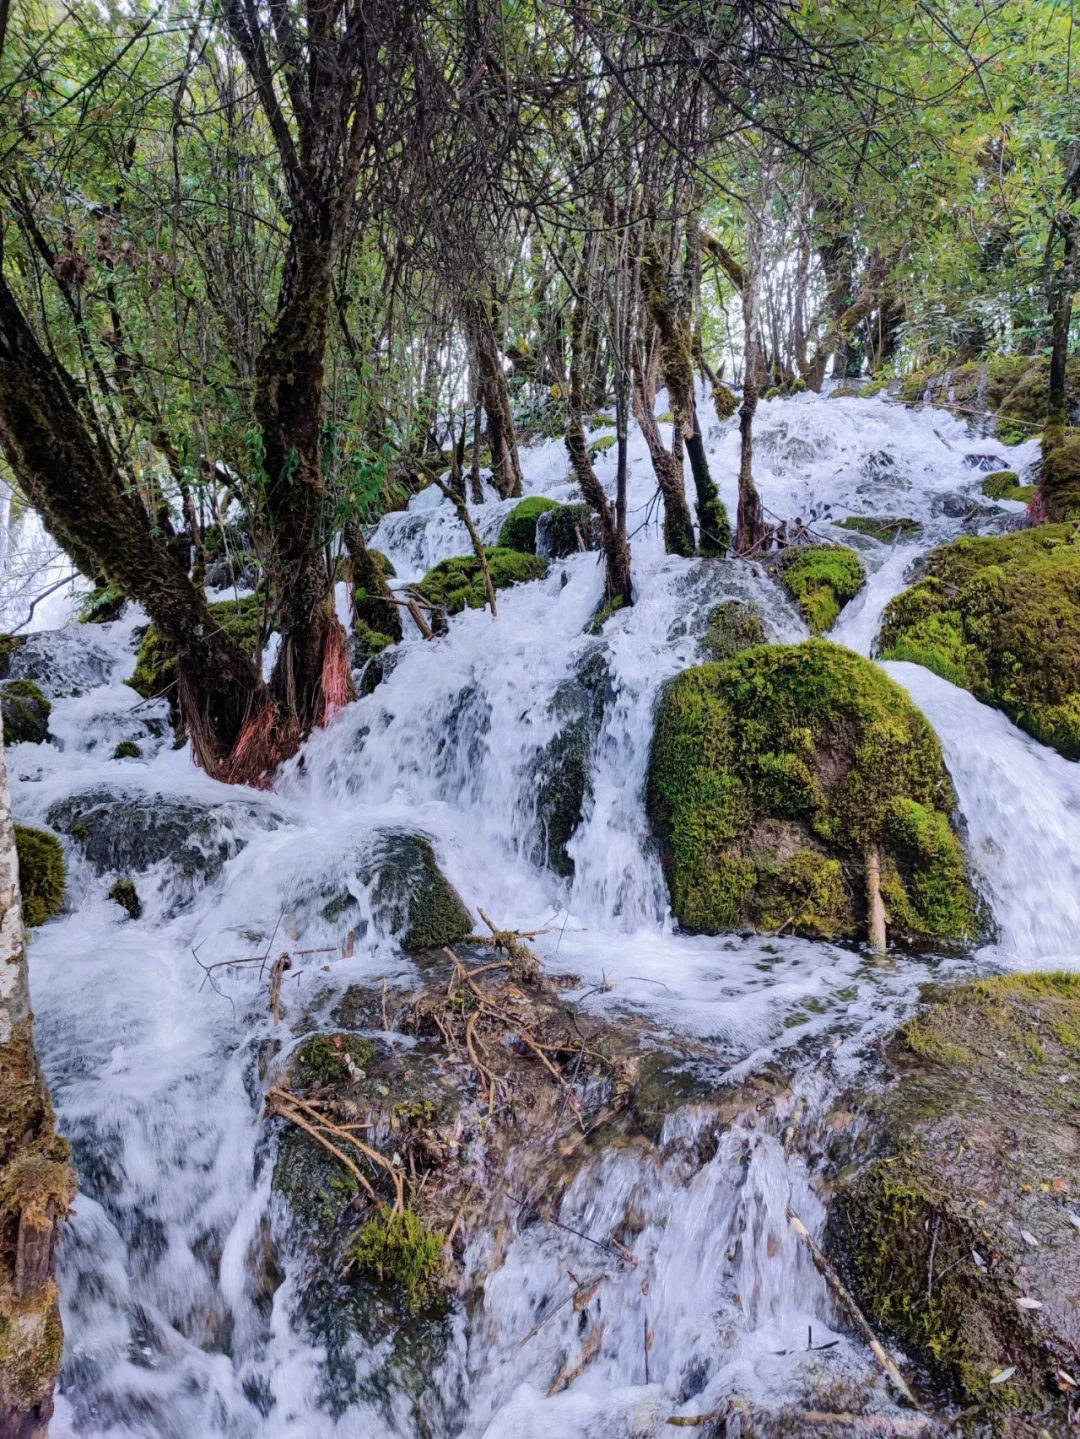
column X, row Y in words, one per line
column 770, row 776
column 155, row 665
column 100, row 605
column 821, row 579
column 519, row 528
column 42, row 873
column 397, row 1247
column 1000, row 616
column 25, row 712
column 458, row 583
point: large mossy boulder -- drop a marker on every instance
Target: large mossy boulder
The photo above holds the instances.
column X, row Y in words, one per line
column 458, row 583
column 25, row 713
column 42, row 873
column 821, row 579
column 1059, row 480
column 958, row 1225
column 1000, row 616
column 775, row 775
column 155, row 665
column 519, row 528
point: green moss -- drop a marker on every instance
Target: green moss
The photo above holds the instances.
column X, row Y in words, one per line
column 881, row 527
column 667, row 418
column 458, row 583
column 519, row 528
column 126, row 896
column 127, row 749
column 602, row 443
column 913, row 387
column 25, row 713
column 821, row 579
column 398, row 1248
column 42, row 873
column 875, row 387
column 601, row 422
column 997, row 485
column 1059, row 482
column 733, row 626
column 724, row 400
column 772, row 773
column 569, row 528
column 372, row 642
column 8, row 645
column 1000, row 616
column 604, row 613
column 155, row 665
column 329, row 1059
column 772, row 393
column 844, row 392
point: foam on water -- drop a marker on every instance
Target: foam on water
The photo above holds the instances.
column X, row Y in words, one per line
column 173, row 1328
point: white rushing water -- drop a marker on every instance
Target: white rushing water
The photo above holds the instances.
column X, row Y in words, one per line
column 175, row 1322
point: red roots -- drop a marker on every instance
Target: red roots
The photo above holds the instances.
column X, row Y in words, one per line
column 263, row 747
column 336, row 684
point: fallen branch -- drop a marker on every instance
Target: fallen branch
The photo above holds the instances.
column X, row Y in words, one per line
column 285, row 1103
column 847, row 1300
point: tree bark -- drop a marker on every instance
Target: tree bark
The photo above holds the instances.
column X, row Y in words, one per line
column 678, row 526
column 37, row 1184
column 69, row 474
column 502, row 437
column 750, row 521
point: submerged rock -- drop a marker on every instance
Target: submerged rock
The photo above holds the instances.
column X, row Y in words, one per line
column 458, row 583
column 1000, row 616
column 959, row 1230
column 62, row 663
column 772, row 778
column 25, row 713
column 562, row 770
column 122, row 831
column 821, row 579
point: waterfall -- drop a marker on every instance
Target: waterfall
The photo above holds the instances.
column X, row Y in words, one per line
column 174, row 1326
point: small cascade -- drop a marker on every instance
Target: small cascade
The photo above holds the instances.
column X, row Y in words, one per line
column 180, row 1319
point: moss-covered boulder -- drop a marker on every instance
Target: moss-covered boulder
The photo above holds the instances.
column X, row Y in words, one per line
column 775, row 775
column 1059, row 480
column 458, row 583
column 9, row 644
column 155, row 664
column 887, row 528
column 821, row 579
column 733, row 626
column 567, row 530
column 42, row 873
column 519, row 528
column 958, row 1223
column 25, row 713
column 1000, row 616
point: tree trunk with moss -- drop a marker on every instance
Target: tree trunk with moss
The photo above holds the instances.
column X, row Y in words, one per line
column 677, row 369
column 69, row 474
column 678, row 526
column 502, row 436
column 36, row 1181
column 750, row 520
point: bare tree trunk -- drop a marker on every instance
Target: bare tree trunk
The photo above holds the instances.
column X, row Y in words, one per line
column 875, row 904
column 502, row 437
column 36, row 1180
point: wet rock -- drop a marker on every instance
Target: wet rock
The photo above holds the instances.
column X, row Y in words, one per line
column 733, row 626
column 562, row 771
column 957, row 506
column 128, row 831
column 567, row 530
column 1000, row 616
column 62, row 663
column 237, row 571
column 821, row 579
column 25, row 713
column 958, row 1223
column 775, row 774
column 126, row 896
column 887, row 528
column 986, row 463
column 519, row 529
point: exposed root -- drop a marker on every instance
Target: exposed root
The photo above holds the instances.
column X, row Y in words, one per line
column 336, row 683
column 264, row 745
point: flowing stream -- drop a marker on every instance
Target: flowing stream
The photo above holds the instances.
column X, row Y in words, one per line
column 176, row 1325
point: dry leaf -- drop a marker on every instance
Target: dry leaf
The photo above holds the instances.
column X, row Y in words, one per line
column 1029, row 1238
column 1003, row 1374
column 1026, row 1303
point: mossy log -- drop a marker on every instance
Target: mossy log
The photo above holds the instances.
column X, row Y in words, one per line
column 1000, row 616
column 958, row 1230
column 771, row 777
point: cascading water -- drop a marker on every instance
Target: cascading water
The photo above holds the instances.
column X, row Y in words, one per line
column 178, row 1322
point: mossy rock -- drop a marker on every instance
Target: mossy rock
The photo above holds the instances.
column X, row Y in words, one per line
column 42, row 873
column 887, row 528
column 155, row 664
column 127, row 749
column 25, row 713
column 1059, row 481
column 458, row 583
column 875, row 387
column 9, row 644
column 844, row 392
column 771, row 777
column 667, row 418
column 967, row 1202
column 602, row 443
column 1000, row 616
column 1005, row 485
column 400, row 1249
column 733, row 626
column 519, row 528
column 567, row 530
column 821, row 579
column 725, row 401
column 126, row 896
